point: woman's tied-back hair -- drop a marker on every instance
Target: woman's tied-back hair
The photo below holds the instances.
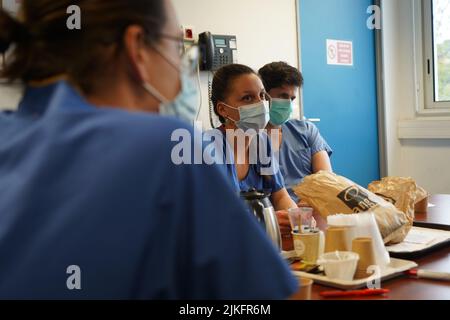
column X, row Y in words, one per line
column 45, row 47
column 222, row 82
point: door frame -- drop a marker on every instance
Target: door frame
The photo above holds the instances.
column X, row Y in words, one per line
column 299, row 56
column 381, row 106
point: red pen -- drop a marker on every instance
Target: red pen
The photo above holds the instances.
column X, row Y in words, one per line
column 353, row 293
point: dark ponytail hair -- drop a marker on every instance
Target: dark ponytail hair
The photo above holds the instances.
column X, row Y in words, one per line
column 45, row 47
column 222, row 82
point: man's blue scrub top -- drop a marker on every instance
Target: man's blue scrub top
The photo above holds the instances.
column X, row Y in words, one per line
column 301, row 141
column 96, row 188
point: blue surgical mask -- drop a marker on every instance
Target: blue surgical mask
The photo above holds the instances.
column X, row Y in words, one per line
column 280, row 111
column 186, row 103
column 254, row 116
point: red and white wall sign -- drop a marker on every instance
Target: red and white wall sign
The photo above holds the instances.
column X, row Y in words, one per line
column 339, row 52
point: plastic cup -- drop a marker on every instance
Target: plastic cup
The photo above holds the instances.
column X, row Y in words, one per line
column 301, row 218
column 339, row 265
column 295, row 218
column 306, row 216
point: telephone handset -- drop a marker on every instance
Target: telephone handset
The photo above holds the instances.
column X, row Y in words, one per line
column 11, row 6
column 216, row 51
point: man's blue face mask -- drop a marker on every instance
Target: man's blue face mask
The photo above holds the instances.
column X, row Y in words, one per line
column 281, row 111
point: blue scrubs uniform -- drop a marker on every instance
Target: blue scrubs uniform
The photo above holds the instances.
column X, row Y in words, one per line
column 301, row 141
column 96, row 188
column 261, row 176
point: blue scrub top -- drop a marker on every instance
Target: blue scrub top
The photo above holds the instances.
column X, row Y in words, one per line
column 96, row 188
column 261, row 176
column 301, row 141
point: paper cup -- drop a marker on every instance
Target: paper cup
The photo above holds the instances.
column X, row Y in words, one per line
column 305, row 286
column 421, row 206
column 308, row 246
column 364, row 248
column 350, row 232
column 336, row 239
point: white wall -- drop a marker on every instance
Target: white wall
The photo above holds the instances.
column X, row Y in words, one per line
column 266, row 31
column 426, row 160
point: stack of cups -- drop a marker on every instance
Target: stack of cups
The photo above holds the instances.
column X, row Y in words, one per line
column 364, row 225
column 364, row 247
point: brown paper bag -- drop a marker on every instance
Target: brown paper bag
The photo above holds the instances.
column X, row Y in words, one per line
column 401, row 192
column 331, row 194
column 421, row 194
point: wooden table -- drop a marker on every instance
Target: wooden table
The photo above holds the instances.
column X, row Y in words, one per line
column 405, row 288
column 437, row 216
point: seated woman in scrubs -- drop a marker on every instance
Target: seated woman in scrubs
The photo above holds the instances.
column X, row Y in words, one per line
column 303, row 151
column 92, row 204
column 240, row 102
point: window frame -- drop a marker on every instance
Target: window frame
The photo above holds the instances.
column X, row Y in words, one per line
column 429, row 63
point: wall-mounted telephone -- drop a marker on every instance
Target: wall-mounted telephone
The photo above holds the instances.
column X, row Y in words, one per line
column 11, row 6
column 216, row 51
